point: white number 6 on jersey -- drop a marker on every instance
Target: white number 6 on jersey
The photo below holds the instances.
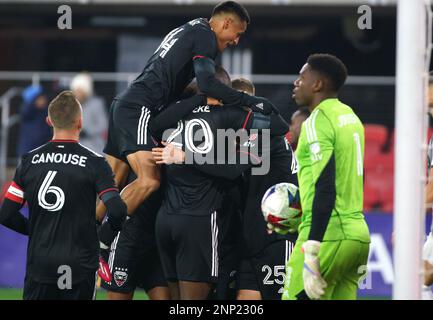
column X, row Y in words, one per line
column 47, row 188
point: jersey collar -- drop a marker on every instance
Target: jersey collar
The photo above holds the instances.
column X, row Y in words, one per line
column 327, row 102
column 64, row 141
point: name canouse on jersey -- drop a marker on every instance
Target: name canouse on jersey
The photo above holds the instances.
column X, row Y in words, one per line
column 66, row 158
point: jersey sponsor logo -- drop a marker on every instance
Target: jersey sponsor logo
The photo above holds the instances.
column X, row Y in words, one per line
column 347, row 119
column 168, row 42
column 66, row 158
column 250, row 142
column 120, row 276
column 201, row 109
column 46, row 188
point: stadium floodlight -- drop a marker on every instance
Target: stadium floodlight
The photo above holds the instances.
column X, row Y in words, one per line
column 413, row 59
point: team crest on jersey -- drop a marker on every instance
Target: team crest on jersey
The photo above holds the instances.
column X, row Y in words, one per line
column 120, row 276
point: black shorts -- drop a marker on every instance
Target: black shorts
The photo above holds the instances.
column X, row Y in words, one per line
column 266, row 271
column 128, row 130
column 188, row 246
column 229, row 253
column 134, row 260
column 83, row 290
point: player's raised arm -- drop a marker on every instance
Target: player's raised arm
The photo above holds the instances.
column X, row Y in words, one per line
column 205, row 73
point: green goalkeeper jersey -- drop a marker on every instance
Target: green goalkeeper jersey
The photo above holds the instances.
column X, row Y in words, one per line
column 333, row 129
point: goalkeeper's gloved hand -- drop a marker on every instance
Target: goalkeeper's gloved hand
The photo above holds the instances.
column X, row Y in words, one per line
column 314, row 284
column 258, row 104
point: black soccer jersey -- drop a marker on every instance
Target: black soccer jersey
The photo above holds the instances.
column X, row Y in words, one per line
column 170, row 68
column 189, row 190
column 60, row 181
column 282, row 169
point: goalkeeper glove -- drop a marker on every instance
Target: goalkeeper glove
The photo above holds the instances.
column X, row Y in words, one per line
column 258, row 104
column 314, row 284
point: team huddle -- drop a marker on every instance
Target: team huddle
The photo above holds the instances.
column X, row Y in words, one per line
column 189, row 155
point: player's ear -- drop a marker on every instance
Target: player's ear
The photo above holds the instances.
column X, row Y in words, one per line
column 80, row 123
column 318, row 85
column 226, row 23
column 48, row 121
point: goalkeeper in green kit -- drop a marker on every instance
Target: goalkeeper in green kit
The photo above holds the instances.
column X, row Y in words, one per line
column 331, row 253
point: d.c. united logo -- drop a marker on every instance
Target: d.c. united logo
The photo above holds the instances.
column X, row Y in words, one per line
column 120, row 277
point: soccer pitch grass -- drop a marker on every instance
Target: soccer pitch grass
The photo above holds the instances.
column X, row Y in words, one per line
column 17, row 294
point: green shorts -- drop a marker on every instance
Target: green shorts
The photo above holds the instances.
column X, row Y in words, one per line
column 342, row 264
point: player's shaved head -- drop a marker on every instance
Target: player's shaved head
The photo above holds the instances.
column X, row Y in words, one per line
column 64, row 111
column 234, row 8
column 244, row 85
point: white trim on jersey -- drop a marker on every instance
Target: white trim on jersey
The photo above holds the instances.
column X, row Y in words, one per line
column 214, row 231
column 95, row 153
column 142, row 126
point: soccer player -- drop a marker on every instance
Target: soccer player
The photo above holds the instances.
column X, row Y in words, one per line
column 133, row 257
column 261, row 271
column 189, row 220
column 187, row 51
column 296, row 121
column 60, row 181
column 332, row 249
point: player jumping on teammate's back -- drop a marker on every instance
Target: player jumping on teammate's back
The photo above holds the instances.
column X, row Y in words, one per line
column 60, row 181
column 332, row 249
column 186, row 52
